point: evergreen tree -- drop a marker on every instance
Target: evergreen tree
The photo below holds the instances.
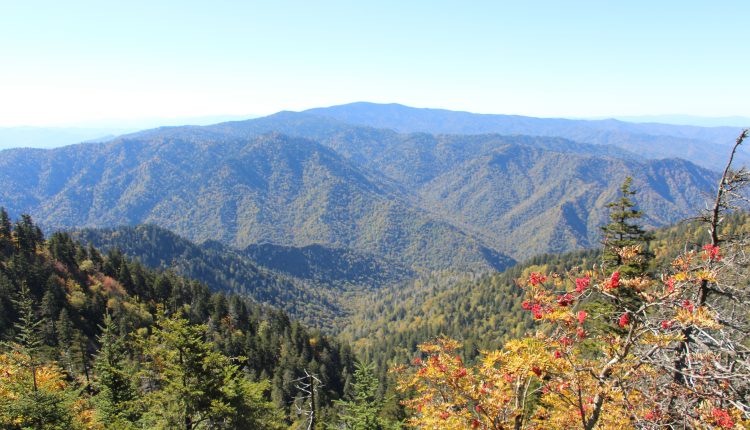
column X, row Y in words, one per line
column 363, row 410
column 6, row 239
column 28, row 236
column 125, row 278
column 34, row 395
column 623, row 233
column 95, row 257
column 50, row 310
column 28, row 341
column 193, row 384
column 65, row 333
column 162, row 288
column 115, row 389
column 62, row 248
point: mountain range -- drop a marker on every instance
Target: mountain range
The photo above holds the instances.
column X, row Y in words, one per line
column 706, row 146
column 409, row 193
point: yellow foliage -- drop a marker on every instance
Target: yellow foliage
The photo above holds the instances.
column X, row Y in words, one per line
column 16, row 382
column 700, row 317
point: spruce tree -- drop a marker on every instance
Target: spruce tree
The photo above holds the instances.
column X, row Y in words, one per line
column 6, row 238
column 623, row 233
column 194, row 384
column 36, row 397
column 363, row 410
column 115, row 388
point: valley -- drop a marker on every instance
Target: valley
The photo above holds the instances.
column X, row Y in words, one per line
column 282, row 232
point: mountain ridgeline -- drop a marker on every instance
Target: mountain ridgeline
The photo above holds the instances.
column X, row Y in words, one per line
column 301, row 180
column 314, row 284
column 194, row 259
column 270, row 189
column 705, row 146
column 92, row 330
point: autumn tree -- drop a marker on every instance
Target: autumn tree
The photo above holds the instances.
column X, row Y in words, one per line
column 705, row 371
column 678, row 356
column 33, row 393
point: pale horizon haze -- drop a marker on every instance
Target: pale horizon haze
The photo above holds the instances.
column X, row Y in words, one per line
column 88, row 62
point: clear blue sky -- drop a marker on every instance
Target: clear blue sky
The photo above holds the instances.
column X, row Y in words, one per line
column 73, row 61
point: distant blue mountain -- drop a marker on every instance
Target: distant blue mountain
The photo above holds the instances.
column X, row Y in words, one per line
column 300, row 179
column 705, row 146
column 700, row 121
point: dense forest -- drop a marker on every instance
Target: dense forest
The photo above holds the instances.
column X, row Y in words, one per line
column 100, row 341
column 137, row 327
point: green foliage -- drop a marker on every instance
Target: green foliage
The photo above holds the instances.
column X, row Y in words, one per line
column 29, row 396
column 28, row 338
column 195, row 386
column 363, row 410
column 243, row 191
column 39, row 410
column 241, row 357
column 304, row 282
column 623, row 232
column 483, row 311
column 114, row 381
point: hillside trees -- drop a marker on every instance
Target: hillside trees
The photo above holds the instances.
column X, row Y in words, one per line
column 362, row 411
column 193, row 386
column 111, row 344
column 33, row 393
column 675, row 354
column 116, row 390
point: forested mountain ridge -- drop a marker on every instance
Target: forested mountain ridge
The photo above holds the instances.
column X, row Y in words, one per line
column 332, row 266
column 486, row 311
column 314, row 284
column 99, row 335
column 547, row 194
column 218, row 266
column 273, row 188
column 532, row 201
column 431, row 202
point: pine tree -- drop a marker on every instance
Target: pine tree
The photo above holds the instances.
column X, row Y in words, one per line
column 622, row 234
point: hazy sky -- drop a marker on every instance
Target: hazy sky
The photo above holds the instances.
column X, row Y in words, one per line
column 73, row 61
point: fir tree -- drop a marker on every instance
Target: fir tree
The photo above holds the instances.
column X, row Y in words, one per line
column 28, row 340
column 6, row 239
column 64, row 333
